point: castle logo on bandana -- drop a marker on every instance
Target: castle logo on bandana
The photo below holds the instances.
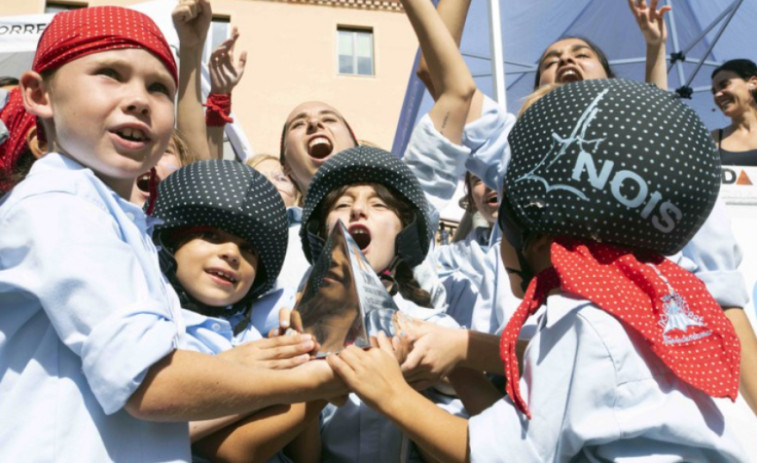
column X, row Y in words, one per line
column 663, row 214
column 679, row 323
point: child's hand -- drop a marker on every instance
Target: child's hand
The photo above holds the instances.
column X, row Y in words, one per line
column 650, row 20
column 290, row 323
column 435, row 353
column 372, row 374
column 192, row 18
column 273, row 353
column 225, row 73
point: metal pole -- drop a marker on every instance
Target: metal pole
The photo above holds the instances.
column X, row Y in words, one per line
column 498, row 58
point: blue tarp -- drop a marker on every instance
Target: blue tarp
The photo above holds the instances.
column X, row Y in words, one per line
column 528, row 27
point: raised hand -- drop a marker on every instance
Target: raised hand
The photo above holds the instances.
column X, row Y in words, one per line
column 372, row 374
column 225, row 71
column 192, row 18
column 273, row 353
column 650, row 20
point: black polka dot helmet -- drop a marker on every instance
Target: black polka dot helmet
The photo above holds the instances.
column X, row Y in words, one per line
column 365, row 164
column 232, row 197
column 613, row 161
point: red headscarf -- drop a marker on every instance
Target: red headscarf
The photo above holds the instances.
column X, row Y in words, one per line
column 18, row 122
column 76, row 33
column 667, row 306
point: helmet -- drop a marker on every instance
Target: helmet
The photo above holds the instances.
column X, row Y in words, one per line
column 613, row 161
column 231, row 197
column 365, row 164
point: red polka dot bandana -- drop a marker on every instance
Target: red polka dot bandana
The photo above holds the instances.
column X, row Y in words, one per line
column 73, row 34
column 651, row 296
column 18, row 122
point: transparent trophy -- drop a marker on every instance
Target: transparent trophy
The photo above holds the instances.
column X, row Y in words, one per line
column 344, row 302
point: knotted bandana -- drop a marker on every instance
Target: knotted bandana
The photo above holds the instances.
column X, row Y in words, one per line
column 76, row 33
column 651, row 296
column 18, row 122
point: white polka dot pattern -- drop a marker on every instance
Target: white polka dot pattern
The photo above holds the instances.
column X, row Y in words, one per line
column 615, row 161
column 668, row 307
column 73, row 34
column 365, row 164
column 231, row 197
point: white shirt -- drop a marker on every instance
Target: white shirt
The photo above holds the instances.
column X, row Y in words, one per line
column 598, row 393
column 84, row 313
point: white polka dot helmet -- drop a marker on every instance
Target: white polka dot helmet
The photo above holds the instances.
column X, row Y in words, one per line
column 613, row 161
column 231, row 197
column 365, row 164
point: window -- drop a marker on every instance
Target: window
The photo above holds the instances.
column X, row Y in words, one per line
column 220, row 30
column 56, row 7
column 355, row 51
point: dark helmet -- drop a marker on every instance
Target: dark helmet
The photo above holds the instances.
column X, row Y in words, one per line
column 613, row 161
column 365, row 164
column 231, row 197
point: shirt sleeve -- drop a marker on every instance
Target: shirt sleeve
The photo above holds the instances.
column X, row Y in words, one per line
column 717, row 256
column 437, row 162
column 486, row 138
column 70, row 255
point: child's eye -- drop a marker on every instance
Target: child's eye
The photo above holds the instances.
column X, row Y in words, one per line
column 160, row 88
column 109, row 72
column 247, row 248
column 296, row 124
column 330, row 119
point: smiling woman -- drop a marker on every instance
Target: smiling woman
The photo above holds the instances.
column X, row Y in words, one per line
column 734, row 89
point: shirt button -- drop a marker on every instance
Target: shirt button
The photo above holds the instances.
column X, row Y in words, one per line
column 216, row 327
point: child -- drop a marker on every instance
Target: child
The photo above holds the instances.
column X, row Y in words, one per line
column 380, row 202
column 220, row 254
column 630, row 347
column 89, row 351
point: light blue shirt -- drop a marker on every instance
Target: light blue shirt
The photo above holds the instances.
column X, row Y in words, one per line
column 84, row 313
column 474, row 289
column 597, row 393
column 355, row 433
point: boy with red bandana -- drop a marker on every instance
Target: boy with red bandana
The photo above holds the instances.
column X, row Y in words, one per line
column 91, row 365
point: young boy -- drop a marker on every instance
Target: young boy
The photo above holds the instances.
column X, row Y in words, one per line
column 605, row 176
column 89, row 329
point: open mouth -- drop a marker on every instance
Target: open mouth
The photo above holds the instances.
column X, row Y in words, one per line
column 492, row 200
column 222, row 275
column 132, row 134
column 569, row 75
column 143, row 182
column 361, row 235
column 320, row 147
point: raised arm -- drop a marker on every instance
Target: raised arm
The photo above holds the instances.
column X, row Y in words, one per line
column 450, row 77
column 225, row 73
column 191, row 18
column 651, row 22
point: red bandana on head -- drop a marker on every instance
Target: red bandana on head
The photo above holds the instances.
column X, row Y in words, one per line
column 18, row 122
column 666, row 305
column 76, row 33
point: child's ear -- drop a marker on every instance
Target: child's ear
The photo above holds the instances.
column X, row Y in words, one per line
column 36, row 95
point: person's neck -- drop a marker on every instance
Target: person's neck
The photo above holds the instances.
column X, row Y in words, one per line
column 745, row 122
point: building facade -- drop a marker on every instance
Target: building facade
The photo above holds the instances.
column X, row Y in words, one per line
column 356, row 55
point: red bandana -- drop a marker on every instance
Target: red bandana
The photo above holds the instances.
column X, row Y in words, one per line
column 76, row 33
column 18, row 122
column 666, row 305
